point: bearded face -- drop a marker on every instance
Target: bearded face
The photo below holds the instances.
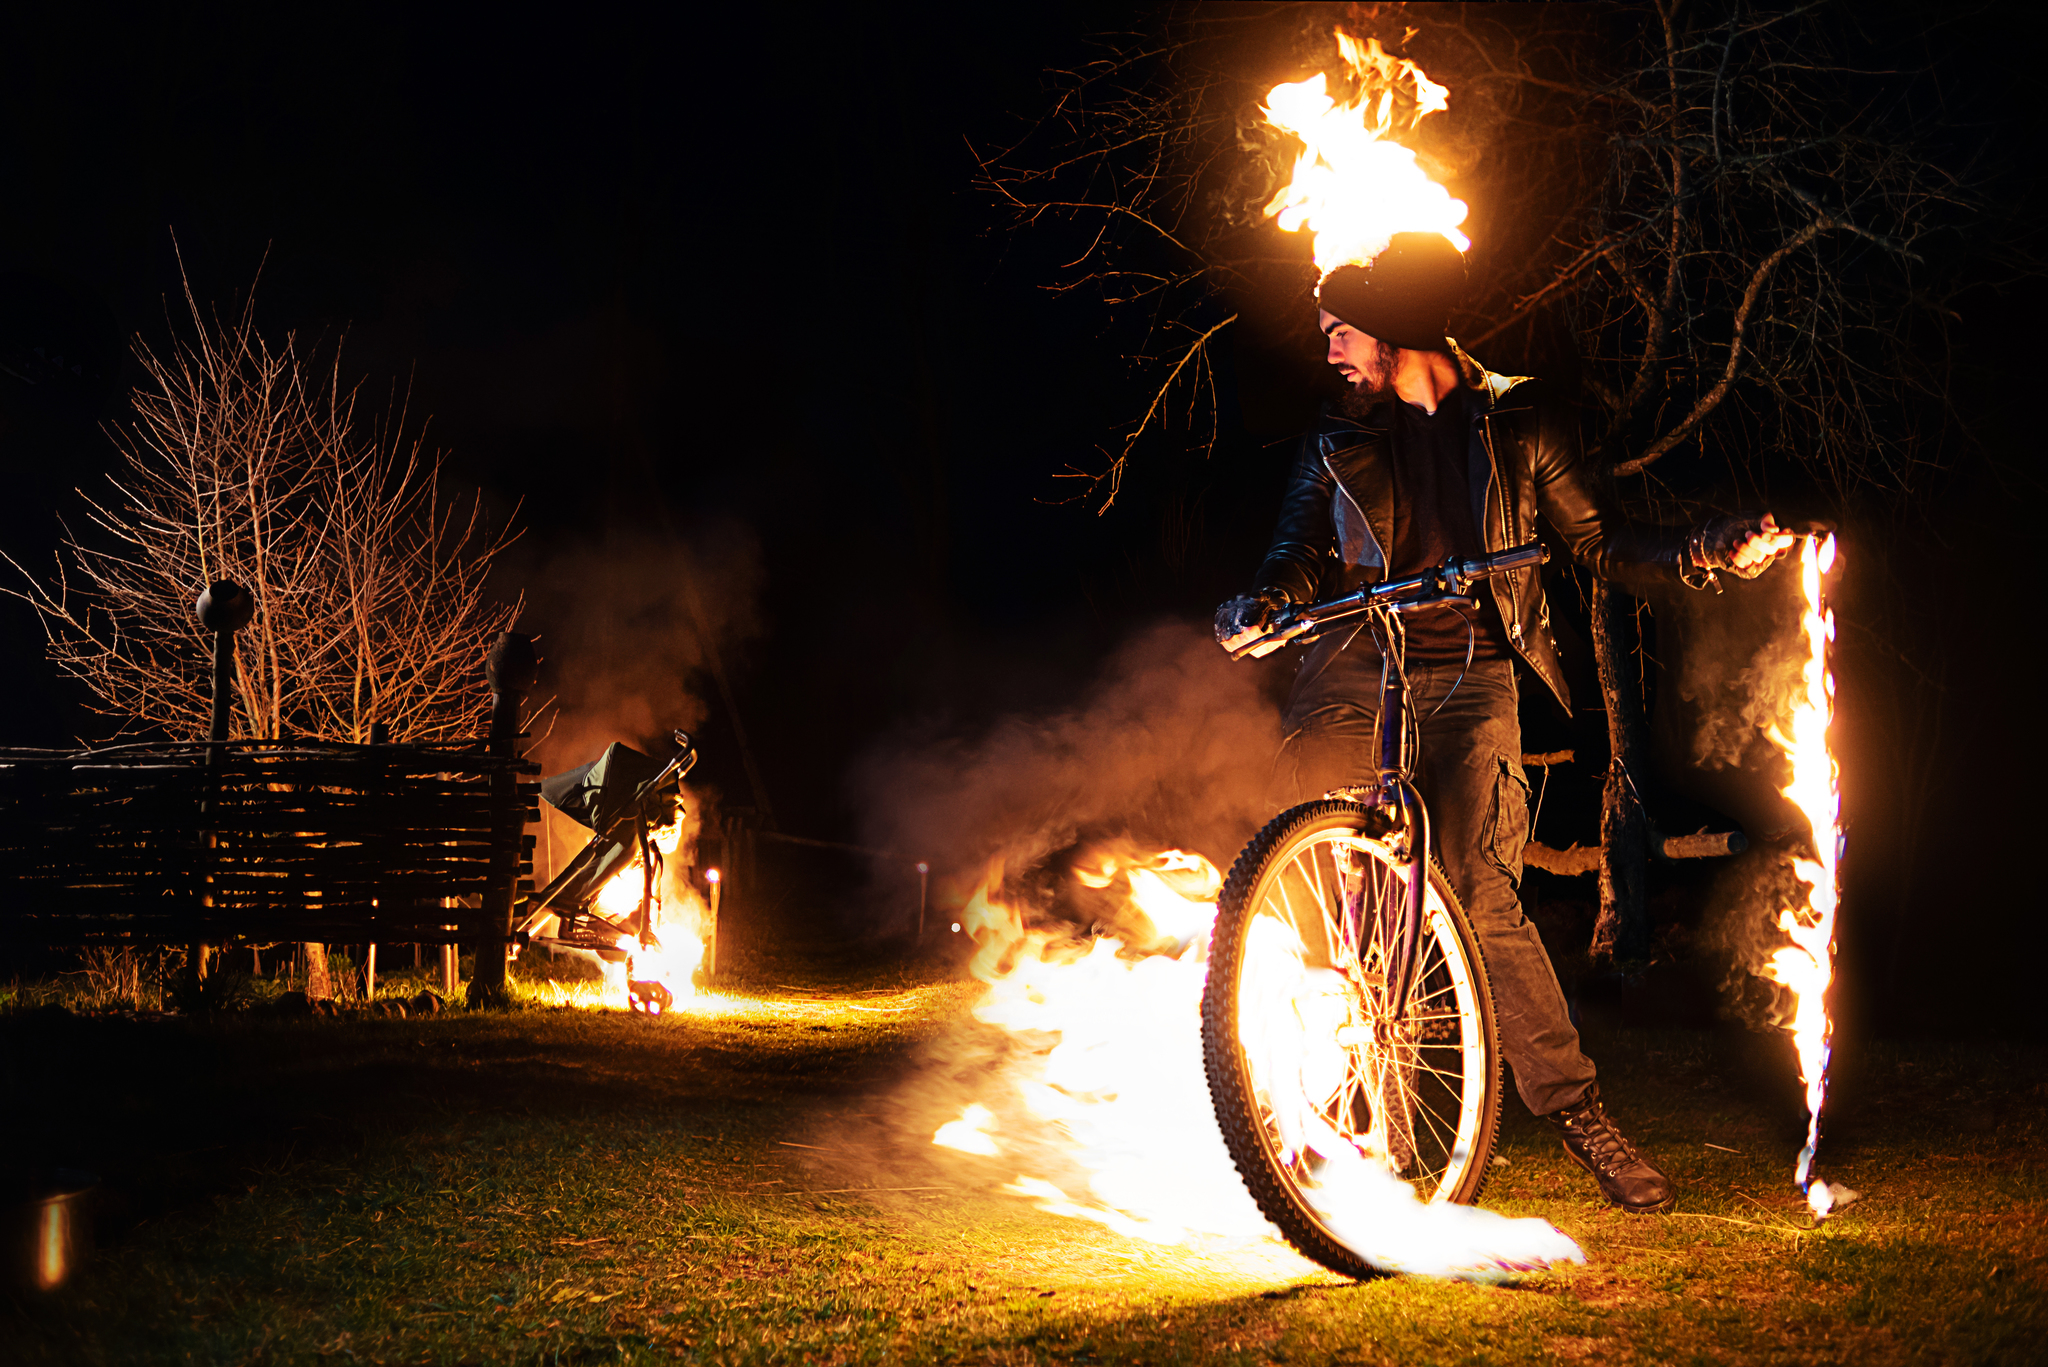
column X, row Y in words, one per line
column 1371, row 381
column 1365, row 361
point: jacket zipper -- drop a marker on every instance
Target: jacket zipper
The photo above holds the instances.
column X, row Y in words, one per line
column 1363, row 522
column 1495, row 482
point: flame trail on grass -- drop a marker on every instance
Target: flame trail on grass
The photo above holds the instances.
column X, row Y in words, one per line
column 1111, row 1068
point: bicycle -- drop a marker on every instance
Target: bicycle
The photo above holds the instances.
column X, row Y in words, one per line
column 1348, row 1014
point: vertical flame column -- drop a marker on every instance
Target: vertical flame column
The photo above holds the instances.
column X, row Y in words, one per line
column 1807, row 964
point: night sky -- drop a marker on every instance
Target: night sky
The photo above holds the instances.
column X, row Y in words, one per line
column 726, row 282
column 647, row 279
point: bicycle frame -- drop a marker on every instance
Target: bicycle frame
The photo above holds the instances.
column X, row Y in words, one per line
column 1393, row 791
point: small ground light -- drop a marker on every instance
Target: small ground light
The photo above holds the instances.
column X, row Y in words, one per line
column 710, row 961
column 956, row 927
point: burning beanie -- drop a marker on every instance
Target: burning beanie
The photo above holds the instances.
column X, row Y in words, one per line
column 1404, row 297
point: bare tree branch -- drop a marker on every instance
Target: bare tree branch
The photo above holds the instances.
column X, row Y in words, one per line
column 1712, row 398
column 243, row 463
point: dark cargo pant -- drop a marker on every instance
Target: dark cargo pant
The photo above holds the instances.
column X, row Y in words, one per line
column 1469, row 770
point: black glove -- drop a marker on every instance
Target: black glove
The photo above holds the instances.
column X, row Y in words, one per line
column 1240, row 619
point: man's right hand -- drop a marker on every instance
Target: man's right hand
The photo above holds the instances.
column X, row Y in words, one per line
column 1243, row 620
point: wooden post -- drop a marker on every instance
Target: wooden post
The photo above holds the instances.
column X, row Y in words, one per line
column 319, row 984
column 924, row 873
column 512, row 669
column 380, row 734
column 1622, row 933
column 223, row 608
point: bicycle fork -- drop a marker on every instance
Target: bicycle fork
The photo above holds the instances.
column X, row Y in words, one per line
column 1395, row 923
column 1401, row 922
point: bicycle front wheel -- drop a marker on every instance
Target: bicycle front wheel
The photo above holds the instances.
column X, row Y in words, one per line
column 1310, row 1067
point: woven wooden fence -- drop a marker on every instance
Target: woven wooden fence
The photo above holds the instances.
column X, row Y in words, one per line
column 267, row 842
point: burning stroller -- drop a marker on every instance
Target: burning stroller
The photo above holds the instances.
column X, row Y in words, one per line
column 607, row 903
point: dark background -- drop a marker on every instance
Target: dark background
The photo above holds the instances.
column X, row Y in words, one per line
column 727, row 280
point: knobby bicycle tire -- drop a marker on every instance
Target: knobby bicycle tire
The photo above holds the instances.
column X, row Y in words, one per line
column 1276, row 1177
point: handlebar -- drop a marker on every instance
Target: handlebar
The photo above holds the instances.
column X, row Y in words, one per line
column 1447, row 585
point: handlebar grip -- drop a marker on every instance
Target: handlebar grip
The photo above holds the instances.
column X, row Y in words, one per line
column 1278, row 635
column 1535, row 553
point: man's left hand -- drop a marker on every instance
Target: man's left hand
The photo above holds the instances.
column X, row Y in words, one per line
column 1751, row 555
column 1743, row 545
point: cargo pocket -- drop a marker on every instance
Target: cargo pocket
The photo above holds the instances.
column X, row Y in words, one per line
column 1507, row 824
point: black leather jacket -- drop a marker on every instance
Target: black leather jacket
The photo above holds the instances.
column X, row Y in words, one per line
column 1338, row 514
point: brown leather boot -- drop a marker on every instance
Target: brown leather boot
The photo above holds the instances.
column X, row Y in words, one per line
column 1626, row 1178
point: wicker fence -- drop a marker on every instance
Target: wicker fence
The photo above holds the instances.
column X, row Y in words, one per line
column 261, row 841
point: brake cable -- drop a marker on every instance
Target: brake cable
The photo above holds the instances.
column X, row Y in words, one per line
column 1471, row 641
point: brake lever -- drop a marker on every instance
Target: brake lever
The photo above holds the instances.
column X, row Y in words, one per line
column 1274, row 639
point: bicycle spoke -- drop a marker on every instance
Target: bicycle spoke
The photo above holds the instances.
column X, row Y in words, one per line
column 1280, row 885
column 1309, row 892
column 1321, row 884
column 1444, row 1127
column 1445, row 1131
column 1455, row 1079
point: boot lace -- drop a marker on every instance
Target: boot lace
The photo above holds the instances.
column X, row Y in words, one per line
column 1605, row 1143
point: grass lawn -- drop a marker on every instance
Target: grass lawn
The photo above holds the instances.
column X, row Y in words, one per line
column 742, row 1183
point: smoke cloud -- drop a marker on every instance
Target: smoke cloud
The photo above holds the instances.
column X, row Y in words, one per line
column 628, row 633
column 1735, row 664
column 1741, row 926
column 629, row 630
column 1171, row 747
column 1738, row 666
column 1729, row 666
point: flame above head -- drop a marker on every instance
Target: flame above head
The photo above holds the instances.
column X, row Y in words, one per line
column 1806, row 965
column 1354, row 186
column 1116, row 1116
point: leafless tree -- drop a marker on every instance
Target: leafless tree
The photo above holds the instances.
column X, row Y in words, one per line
column 1720, row 219
column 247, row 461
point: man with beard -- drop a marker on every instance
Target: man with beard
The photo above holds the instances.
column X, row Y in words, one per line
column 1428, row 457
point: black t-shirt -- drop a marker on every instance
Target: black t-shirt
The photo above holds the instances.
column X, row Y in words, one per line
column 1433, row 520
